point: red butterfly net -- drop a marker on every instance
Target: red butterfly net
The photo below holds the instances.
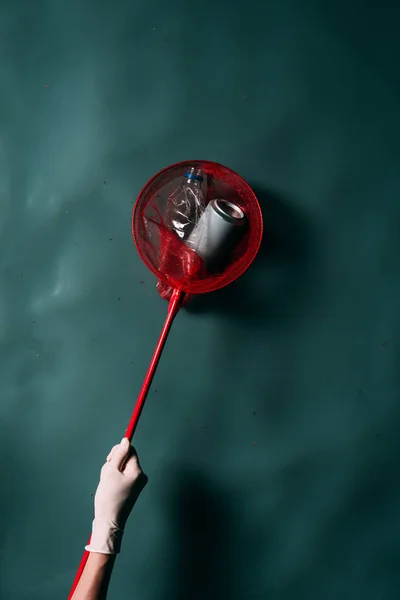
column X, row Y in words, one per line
column 176, row 265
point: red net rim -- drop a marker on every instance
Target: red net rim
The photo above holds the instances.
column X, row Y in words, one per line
column 241, row 266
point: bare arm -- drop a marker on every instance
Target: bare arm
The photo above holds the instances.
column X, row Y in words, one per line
column 93, row 584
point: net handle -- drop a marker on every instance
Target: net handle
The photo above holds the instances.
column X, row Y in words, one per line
column 173, row 308
column 174, row 305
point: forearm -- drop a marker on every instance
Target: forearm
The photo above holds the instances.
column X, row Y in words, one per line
column 95, row 578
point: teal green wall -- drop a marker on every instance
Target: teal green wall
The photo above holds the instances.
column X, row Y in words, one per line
column 270, row 434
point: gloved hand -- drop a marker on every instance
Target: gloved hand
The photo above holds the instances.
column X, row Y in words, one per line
column 121, row 481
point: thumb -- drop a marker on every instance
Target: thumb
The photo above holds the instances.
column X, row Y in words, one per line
column 120, row 454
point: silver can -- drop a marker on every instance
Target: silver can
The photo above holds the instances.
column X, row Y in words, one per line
column 217, row 231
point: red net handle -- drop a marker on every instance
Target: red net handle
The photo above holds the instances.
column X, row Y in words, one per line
column 173, row 308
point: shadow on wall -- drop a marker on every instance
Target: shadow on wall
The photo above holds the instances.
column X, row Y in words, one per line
column 275, row 284
column 202, row 563
column 314, row 547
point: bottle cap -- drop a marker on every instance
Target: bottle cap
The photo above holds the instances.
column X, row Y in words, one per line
column 196, row 174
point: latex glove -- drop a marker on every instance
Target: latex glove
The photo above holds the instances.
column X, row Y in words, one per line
column 121, row 481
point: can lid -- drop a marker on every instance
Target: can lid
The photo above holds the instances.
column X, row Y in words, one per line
column 228, row 210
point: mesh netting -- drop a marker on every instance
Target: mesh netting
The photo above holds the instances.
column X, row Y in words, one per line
column 166, row 254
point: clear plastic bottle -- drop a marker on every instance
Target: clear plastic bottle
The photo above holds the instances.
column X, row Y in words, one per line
column 187, row 203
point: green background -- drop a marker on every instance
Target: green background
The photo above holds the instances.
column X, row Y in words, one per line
column 270, row 434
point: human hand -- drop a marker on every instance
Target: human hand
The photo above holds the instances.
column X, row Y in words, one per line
column 121, row 481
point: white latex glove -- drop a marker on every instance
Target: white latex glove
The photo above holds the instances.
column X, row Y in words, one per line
column 121, row 481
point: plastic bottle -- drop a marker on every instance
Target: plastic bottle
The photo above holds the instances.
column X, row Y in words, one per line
column 187, row 203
